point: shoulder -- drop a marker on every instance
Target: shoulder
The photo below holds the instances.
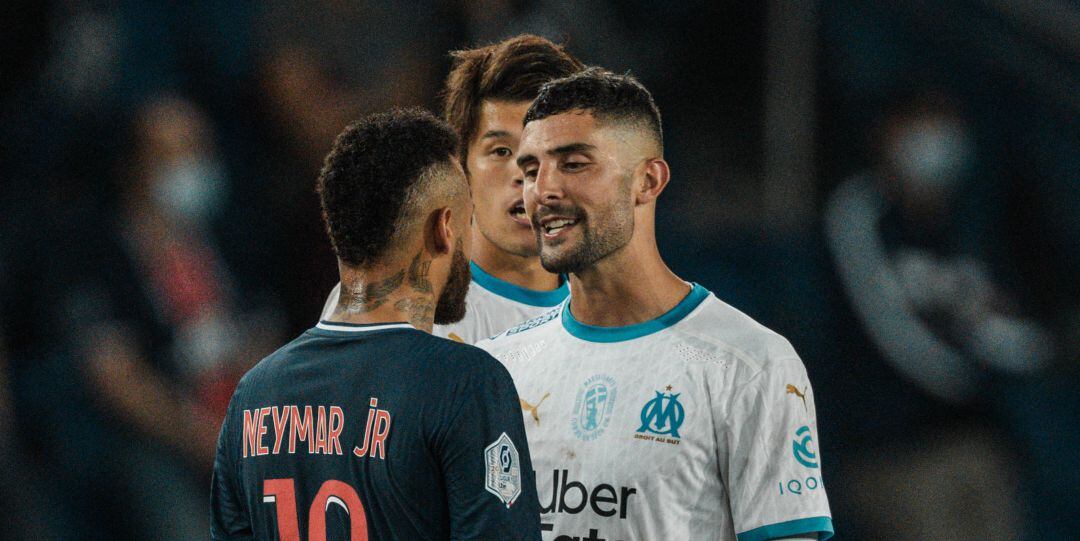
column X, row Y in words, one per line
column 474, row 326
column 719, row 331
column 268, row 367
column 452, row 359
column 524, row 331
column 457, row 352
column 488, row 315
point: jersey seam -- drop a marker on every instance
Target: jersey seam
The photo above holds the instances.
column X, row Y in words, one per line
column 741, row 354
column 752, row 380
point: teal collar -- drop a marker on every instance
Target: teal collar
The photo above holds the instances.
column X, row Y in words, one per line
column 629, row 332
column 517, row 293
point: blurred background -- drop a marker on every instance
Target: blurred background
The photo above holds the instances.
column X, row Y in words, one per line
column 894, row 186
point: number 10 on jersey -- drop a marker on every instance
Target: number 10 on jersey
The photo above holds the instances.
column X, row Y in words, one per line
column 282, row 493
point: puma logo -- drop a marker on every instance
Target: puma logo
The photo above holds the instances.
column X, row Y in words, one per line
column 532, row 409
column 791, row 389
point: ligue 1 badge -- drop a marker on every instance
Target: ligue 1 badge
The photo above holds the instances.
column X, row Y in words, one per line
column 503, row 470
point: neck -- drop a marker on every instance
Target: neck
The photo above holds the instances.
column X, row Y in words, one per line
column 522, row 271
column 630, row 286
column 387, row 295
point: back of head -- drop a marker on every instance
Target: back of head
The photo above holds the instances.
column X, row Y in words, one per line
column 608, row 97
column 511, row 70
column 379, row 180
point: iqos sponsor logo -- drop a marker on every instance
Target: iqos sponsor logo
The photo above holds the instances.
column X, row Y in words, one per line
column 799, row 486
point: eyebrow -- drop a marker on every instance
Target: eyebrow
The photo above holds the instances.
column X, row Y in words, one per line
column 571, row 148
column 491, row 134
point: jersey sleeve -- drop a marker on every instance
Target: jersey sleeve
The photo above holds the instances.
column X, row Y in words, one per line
column 229, row 519
column 488, row 474
column 772, row 466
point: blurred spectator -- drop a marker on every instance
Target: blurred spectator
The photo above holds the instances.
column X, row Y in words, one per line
column 163, row 327
column 327, row 64
column 930, row 303
column 935, row 305
column 173, row 195
column 318, row 69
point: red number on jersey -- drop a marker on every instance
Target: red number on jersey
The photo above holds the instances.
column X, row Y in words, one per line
column 282, row 493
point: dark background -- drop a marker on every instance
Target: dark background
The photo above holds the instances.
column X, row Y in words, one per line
column 893, row 186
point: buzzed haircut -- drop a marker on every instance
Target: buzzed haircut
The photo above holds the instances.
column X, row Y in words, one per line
column 512, row 70
column 605, row 95
column 374, row 179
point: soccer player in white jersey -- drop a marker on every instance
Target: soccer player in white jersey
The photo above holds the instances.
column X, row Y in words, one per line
column 487, row 93
column 662, row 412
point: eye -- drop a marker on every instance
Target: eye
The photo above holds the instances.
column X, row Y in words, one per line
column 574, row 166
column 530, row 173
column 502, row 152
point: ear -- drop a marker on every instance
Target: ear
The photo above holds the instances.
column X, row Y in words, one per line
column 440, row 229
column 656, row 178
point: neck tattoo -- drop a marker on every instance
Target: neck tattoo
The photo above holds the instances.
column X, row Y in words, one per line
column 359, row 298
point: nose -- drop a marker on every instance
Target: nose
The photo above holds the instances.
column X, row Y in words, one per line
column 548, row 186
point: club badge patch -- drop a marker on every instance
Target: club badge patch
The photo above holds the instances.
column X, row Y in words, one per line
column 661, row 418
column 503, row 470
column 592, row 407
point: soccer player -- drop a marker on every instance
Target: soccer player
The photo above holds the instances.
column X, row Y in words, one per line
column 486, row 96
column 670, row 415
column 366, row 426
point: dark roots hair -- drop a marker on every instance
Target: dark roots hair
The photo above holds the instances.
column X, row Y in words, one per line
column 374, row 172
column 606, row 95
column 513, row 69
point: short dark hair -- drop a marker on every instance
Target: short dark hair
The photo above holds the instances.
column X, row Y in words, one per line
column 606, row 95
column 513, row 69
column 375, row 169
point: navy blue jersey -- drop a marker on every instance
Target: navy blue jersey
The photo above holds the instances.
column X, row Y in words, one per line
column 374, row 432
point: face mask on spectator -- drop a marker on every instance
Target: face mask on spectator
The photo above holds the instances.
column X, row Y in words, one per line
column 191, row 189
column 932, row 153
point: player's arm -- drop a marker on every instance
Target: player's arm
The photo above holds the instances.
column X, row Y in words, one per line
column 769, row 457
column 135, row 391
column 229, row 517
column 486, row 466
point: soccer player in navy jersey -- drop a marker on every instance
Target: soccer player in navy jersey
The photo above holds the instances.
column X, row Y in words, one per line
column 367, row 427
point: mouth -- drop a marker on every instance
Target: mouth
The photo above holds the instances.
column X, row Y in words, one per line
column 517, row 213
column 554, row 227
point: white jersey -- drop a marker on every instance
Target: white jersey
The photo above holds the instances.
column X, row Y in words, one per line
column 492, row 305
column 697, row 425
